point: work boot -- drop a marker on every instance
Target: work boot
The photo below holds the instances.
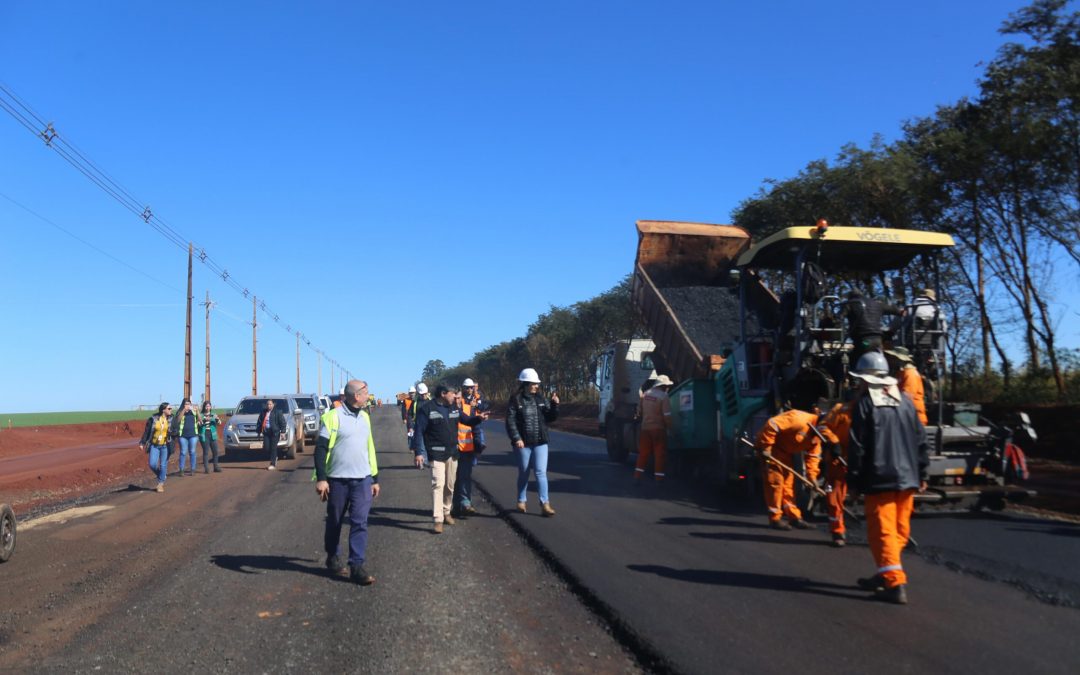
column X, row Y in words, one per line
column 839, row 540
column 337, row 565
column 521, row 506
column 359, row 575
column 450, row 520
column 897, row 595
column 546, row 510
column 800, row 524
column 873, row 583
column 468, row 509
column 779, row 525
column 437, row 529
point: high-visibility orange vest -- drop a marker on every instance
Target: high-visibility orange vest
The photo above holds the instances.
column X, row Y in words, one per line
column 464, row 431
column 408, row 404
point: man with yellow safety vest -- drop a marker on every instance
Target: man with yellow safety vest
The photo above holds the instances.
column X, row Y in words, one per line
column 347, row 479
column 470, row 445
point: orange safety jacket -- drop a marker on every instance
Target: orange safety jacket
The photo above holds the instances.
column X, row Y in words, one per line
column 465, row 432
column 838, row 421
column 909, row 381
column 789, row 434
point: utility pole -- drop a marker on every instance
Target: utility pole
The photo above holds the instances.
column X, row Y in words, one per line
column 187, row 332
column 319, row 354
column 254, row 350
column 332, row 390
column 297, row 362
column 206, row 387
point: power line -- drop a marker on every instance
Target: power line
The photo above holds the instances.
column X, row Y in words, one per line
column 45, row 131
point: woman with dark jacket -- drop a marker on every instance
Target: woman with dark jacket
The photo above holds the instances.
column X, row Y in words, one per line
column 527, row 417
column 185, row 430
column 155, row 442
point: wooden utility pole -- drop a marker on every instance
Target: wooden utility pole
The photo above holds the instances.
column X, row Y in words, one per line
column 206, row 386
column 319, row 354
column 297, row 362
column 254, row 349
column 332, row 390
column 187, row 332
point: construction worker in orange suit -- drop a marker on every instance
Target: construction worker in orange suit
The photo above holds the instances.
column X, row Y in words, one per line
column 887, row 461
column 654, row 411
column 838, row 421
column 908, row 379
column 783, row 437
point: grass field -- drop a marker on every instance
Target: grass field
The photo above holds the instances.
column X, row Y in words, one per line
column 11, row 420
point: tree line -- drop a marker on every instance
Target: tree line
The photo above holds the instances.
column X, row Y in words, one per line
column 1000, row 172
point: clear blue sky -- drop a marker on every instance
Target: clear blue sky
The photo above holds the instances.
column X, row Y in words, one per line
column 404, row 181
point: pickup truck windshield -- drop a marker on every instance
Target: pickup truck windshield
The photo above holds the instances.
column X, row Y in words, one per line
column 254, row 406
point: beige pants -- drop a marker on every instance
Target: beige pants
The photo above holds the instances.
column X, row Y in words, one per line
column 442, row 488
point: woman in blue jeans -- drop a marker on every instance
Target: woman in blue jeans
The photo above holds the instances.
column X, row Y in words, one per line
column 155, row 442
column 186, row 431
column 527, row 417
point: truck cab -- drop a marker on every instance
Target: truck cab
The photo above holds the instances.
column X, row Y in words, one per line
column 623, row 371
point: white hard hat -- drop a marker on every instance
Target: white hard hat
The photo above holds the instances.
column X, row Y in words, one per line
column 412, row 390
column 342, row 392
column 873, row 368
column 468, row 382
column 529, row 375
column 421, row 388
column 663, row 381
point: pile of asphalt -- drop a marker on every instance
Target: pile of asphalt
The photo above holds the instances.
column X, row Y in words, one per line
column 709, row 315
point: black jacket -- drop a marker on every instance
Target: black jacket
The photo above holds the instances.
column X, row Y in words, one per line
column 887, row 448
column 278, row 425
column 864, row 316
column 436, row 434
column 527, row 418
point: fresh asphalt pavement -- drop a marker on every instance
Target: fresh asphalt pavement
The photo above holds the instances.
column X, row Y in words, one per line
column 224, row 573
column 703, row 585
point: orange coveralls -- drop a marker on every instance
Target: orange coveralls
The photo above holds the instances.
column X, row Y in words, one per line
column 785, row 436
column 655, row 412
column 910, row 382
column 838, row 421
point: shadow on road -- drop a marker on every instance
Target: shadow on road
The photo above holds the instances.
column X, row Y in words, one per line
column 421, row 520
column 770, row 582
column 682, row 520
column 256, row 564
column 763, row 538
column 1060, row 531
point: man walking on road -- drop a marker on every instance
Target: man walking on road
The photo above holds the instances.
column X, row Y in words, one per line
column 435, row 440
column 887, row 461
column 271, row 425
column 654, row 411
column 470, row 445
column 347, row 476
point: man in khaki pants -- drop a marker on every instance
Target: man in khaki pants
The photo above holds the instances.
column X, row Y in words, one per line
column 436, row 440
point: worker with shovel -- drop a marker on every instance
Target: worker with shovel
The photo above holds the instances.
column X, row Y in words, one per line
column 887, row 461
column 780, row 440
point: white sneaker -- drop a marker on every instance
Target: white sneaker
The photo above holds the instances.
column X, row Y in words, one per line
column 271, row 468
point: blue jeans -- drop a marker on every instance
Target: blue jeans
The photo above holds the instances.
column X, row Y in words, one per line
column 538, row 455
column 463, row 481
column 159, row 461
column 187, row 450
column 352, row 495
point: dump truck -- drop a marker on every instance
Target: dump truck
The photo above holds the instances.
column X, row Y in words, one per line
column 787, row 341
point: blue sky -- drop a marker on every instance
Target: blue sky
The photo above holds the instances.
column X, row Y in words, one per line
column 404, row 181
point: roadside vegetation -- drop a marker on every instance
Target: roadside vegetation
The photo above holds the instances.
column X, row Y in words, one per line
column 41, row 419
column 999, row 172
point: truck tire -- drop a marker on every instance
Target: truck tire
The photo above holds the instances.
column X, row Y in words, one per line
column 7, row 532
column 290, row 450
column 616, row 448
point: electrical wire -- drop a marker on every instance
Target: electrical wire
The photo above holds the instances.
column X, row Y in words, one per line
column 22, row 113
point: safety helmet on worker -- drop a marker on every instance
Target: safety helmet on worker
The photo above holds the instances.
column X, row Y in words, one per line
column 468, row 382
column 412, row 389
column 663, row 381
column 529, row 375
column 873, row 369
column 421, row 389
